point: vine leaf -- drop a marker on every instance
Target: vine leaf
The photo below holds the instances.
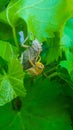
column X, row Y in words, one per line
column 42, row 17
column 6, row 50
column 16, row 75
column 43, row 108
column 67, row 46
column 6, row 92
column 11, row 81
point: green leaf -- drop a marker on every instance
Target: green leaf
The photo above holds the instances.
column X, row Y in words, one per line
column 43, row 108
column 42, row 17
column 6, row 50
column 68, row 64
column 6, row 92
column 16, row 75
column 67, row 46
column 53, row 51
column 11, row 83
column 71, row 74
column 3, row 65
column 67, row 36
column 6, row 33
column 3, row 4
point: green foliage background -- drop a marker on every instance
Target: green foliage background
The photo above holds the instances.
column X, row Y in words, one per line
column 44, row 102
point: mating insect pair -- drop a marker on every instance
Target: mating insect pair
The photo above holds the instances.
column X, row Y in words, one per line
column 31, row 58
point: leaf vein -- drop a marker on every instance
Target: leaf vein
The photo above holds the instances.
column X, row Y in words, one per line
column 26, row 7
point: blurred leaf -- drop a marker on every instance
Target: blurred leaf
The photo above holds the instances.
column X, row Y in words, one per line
column 67, row 36
column 68, row 64
column 3, row 4
column 6, row 33
column 53, row 51
column 67, row 46
column 71, row 74
column 3, row 65
column 6, row 50
column 43, row 108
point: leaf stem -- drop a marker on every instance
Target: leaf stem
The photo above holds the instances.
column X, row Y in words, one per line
column 14, row 36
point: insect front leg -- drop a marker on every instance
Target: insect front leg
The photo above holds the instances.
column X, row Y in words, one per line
column 30, row 61
column 38, row 58
column 25, row 46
